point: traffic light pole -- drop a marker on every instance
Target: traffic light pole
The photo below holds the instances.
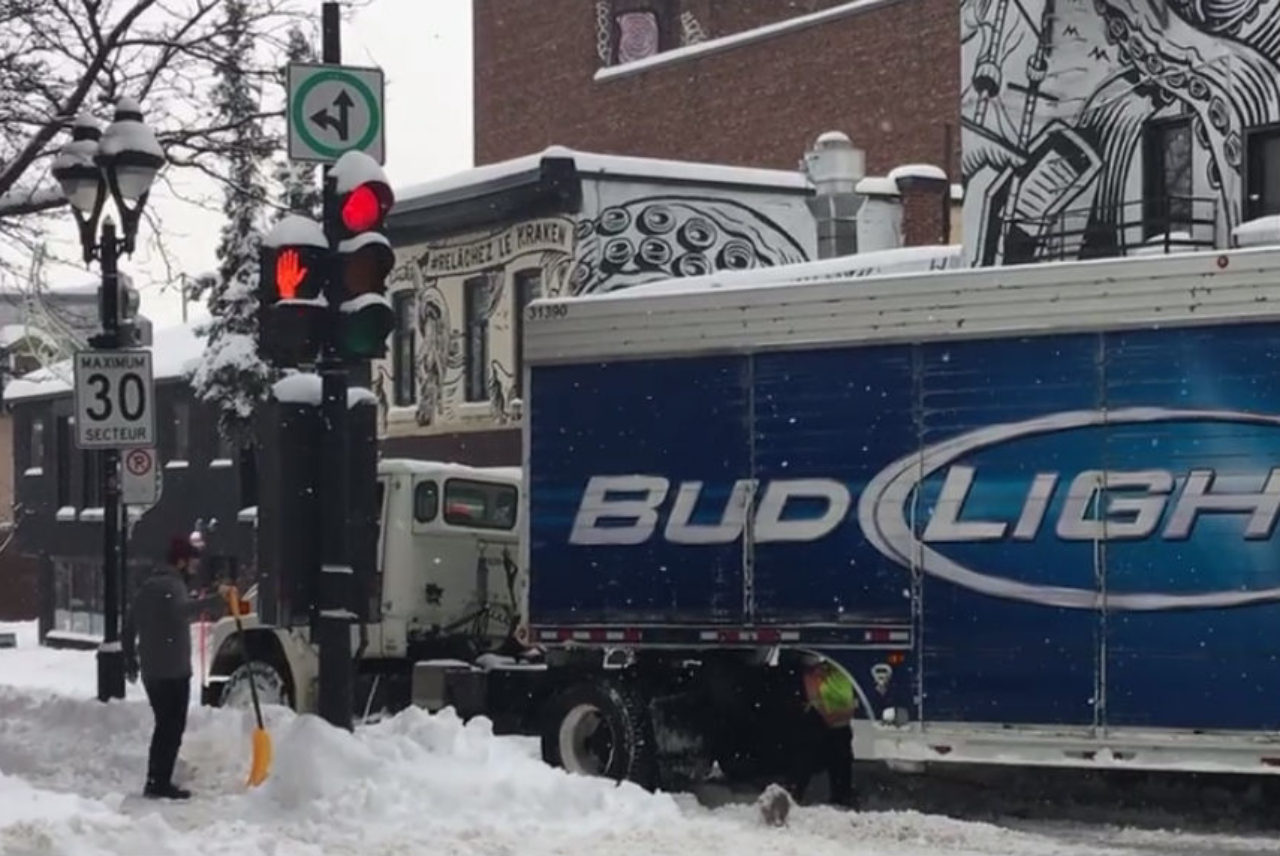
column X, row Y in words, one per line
column 333, row 626
column 110, row 653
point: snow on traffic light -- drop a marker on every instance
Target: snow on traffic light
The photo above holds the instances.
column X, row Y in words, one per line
column 364, row 255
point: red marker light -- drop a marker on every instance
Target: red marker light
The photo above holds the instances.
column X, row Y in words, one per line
column 362, row 209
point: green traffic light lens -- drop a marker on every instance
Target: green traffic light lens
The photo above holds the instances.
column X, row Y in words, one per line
column 364, row 333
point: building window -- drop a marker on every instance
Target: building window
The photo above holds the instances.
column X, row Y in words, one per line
column 636, row 35
column 528, row 287
column 180, row 432
column 1166, row 177
column 475, row 311
column 1262, row 176
column 62, row 430
column 403, row 363
column 35, row 443
column 23, row 361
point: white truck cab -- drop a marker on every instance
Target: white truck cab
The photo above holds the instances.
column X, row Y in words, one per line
column 448, row 584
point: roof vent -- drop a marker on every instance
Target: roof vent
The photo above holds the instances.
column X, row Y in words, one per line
column 834, row 164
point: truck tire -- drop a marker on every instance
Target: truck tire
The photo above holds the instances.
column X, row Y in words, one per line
column 600, row 728
column 270, row 683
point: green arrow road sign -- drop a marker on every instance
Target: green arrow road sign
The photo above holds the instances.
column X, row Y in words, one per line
column 334, row 109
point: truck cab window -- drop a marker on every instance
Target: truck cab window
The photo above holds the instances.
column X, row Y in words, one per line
column 479, row 505
column 426, row 501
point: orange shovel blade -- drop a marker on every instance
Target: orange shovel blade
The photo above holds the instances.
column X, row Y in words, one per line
column 261, row 763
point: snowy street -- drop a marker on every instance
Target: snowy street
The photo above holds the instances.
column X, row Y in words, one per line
column 70, row 775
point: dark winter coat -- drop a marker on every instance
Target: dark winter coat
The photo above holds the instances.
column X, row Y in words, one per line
column 160, row 621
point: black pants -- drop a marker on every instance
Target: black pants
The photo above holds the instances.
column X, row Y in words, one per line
column 169, row 699
column 818, row 747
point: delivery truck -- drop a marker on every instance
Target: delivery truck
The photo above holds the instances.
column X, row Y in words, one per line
column 1031, row 511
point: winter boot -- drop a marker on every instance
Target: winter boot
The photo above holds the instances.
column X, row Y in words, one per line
column 167, row 791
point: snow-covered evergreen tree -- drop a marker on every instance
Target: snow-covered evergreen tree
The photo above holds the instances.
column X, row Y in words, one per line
column 299, row 187
column 230, row 374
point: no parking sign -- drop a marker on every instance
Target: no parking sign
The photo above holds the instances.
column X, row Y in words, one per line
column 141, row 482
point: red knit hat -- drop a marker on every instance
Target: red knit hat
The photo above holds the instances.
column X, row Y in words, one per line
column 180, row 548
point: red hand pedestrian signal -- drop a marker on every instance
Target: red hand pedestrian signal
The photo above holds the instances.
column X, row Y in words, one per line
column 289, row 273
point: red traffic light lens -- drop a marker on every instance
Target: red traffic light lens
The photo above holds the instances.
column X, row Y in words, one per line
column 361, row 210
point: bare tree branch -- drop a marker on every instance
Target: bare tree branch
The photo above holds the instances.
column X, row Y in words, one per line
column 62, row 57
column 14, row 168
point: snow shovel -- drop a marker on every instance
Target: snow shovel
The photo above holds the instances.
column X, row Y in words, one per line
column 261, row 762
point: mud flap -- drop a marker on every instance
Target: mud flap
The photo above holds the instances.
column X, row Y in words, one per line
column 679, row 742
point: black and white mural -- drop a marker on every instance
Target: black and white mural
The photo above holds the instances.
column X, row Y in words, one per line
column 1092, row 126
column 469, row 292
column 661, row 237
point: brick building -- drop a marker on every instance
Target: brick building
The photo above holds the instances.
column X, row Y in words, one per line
column 745, row 82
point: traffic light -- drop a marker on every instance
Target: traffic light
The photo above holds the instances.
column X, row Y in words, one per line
column 291, row 291
column 365, row 257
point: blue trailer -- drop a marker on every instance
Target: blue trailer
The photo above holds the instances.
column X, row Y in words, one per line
column 1030, row 510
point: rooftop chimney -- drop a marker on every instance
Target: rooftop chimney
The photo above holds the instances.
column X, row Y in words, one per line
column 926, row 200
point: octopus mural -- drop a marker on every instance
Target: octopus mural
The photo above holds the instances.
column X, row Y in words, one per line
column 661, row 237
column 1058, row 94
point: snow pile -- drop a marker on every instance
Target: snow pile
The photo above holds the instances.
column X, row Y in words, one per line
column 71, row 769
column 466, row 775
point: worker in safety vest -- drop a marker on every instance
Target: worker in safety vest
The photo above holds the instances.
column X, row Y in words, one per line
column 824, row 736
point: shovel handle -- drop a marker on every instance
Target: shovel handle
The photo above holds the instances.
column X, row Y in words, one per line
column 233, row 600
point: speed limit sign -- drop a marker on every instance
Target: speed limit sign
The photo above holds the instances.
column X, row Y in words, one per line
column 115, row 399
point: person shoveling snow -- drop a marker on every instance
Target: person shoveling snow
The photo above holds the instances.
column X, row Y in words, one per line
column 159, row 629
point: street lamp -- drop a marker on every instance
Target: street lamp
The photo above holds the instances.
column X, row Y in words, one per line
column 123, row 160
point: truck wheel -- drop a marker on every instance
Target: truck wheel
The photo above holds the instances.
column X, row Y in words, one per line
column 271, row 686
column 600, row 729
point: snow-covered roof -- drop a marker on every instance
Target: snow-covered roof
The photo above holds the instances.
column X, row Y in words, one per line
column 1258, row 232
column 11, row 334
column 876, row 185
column 588, row 163
column 878, row 262
column 174, row 351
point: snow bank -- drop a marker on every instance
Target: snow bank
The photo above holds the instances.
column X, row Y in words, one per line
column 71, row 768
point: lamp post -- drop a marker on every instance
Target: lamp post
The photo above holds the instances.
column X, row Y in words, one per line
column 123, row 161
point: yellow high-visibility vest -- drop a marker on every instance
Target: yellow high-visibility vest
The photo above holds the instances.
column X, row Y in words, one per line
column 830, row 692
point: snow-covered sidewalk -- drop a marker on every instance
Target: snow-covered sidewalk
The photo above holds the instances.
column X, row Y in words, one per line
column 71, row 767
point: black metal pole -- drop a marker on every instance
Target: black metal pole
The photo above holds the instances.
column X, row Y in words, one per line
column 110, row 654
column 336, row 703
